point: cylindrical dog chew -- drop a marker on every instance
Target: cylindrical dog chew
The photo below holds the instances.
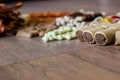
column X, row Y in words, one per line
column 106, row 36
column 80, row 31
column 88, row 35
column 117, row 38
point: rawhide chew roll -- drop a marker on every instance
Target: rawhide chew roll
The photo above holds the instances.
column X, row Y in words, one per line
column 106, row 36
column 117, row 38
column 80, row 31
column 88, row 34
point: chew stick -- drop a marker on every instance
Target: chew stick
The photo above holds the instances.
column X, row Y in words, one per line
column 88, row 34
column 117, row 38
column 80, row 31
column 106, row 36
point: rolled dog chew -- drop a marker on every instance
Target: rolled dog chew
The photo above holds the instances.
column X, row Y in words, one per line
column 117, row 38
column 88, row 34
column 80, row 31
column 106, row 36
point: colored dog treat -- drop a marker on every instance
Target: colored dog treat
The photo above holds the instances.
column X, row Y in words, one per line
column 117, row 38
column 49, row 14
column 46, row 16
column 107, row 36
column 61, row 33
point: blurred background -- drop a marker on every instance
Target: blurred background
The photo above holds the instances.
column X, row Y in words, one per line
column 6, row 1
column 109, row 6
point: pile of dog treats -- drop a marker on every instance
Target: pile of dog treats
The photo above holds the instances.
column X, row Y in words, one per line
column 67, row 23
column 40, row 24
column 62, row 33
column 87, row 26
column 30, row 25
column 79, row 18
column 9, row 18
column 37, row 24
column 102, row 31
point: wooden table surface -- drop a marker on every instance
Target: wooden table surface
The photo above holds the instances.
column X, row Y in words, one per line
column 32, row 59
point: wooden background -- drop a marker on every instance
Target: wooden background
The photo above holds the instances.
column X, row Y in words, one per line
column 31, row 59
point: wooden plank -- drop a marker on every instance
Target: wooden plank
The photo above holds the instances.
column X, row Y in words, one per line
column 15, row 49
column 107, row 57
column 59, row 67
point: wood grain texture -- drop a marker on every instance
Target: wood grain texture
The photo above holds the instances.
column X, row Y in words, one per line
column 107, row 57
column 59, row 67
column 15, row 49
